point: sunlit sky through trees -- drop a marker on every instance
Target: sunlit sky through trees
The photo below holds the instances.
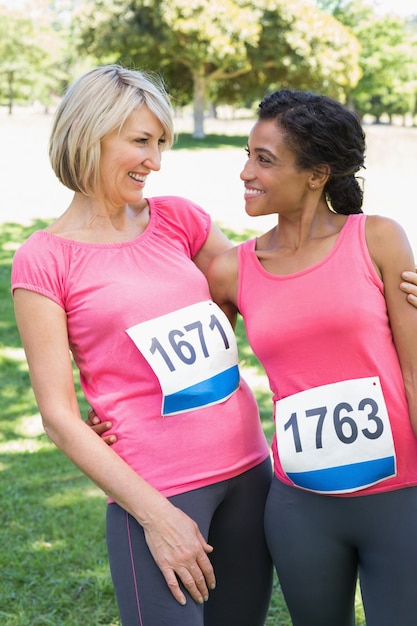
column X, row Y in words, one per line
column 398, row 7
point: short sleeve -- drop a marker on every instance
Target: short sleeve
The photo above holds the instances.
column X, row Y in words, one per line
column 37, row 266
column 183, row 218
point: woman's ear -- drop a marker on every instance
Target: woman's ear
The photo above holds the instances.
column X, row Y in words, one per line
column 319, row 177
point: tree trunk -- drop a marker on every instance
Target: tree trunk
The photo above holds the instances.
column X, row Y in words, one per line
column 10, row 77
column 199, row 105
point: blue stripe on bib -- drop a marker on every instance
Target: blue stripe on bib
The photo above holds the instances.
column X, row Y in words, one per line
column 345, row 478
column 205, row 393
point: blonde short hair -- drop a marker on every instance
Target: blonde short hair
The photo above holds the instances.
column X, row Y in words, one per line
column 98, row 103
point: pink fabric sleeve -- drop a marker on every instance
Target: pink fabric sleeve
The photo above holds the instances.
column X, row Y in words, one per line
column 39, row 268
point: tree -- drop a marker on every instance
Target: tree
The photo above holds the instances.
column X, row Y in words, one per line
column 389, row 68
column 37, row 51
column 192, row 42
column 20, row 55
column 201, row 46
column 388, row 48
column 304, row 48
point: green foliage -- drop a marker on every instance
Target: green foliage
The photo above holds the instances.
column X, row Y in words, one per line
column 229, row 50
column 185, row 141
column 38, row 55
column 389, row 69
column 301, row 47
column 20, row 54
column 388, row 49
column 191, row 43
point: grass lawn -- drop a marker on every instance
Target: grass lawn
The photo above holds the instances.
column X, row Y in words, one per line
column 52, row 549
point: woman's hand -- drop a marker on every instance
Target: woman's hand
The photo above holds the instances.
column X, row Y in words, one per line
column 410, row 286
column 100, row 428
column 174, row 539
column 180, row 551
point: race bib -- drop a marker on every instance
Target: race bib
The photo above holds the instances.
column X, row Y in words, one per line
column 336, row 438
column 193, row 353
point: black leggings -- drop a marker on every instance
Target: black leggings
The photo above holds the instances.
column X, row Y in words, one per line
column 230, row 516
column 320, row 543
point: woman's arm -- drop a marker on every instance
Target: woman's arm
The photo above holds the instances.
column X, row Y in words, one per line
column 173, row 538
column 222, row 277
column 391, row 253
column 215, row 244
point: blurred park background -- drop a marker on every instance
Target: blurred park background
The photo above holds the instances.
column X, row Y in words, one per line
column 218, row 58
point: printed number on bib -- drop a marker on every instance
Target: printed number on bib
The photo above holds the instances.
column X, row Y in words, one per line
column 336, row 438
column 193, row 353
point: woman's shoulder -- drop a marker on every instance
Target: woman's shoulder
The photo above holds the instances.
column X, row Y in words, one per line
column 39, row 242
column 388, row 244
column 39, row 265
column 383, row 229
column 175, row 202
column 175, row 213
column 178, row 208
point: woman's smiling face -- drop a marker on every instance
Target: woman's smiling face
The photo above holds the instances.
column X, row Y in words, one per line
column 129, row 155
column 273, row 182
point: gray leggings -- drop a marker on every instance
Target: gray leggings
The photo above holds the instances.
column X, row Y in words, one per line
column 320, row 543
column 230, row 514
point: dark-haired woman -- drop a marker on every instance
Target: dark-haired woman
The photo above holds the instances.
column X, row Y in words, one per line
column 341, row 363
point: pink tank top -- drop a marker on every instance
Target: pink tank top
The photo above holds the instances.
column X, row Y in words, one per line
column 323, row 337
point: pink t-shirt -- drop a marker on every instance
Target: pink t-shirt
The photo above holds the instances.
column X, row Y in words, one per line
column 107, row 289
column 325, row 331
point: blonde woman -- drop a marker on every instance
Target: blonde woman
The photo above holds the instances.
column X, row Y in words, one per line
column 119, row 281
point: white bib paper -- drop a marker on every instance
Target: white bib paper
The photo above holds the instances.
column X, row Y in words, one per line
column 193, row 353
column 336, row 438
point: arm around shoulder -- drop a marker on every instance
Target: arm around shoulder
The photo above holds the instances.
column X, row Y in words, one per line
column 215, row 244
column 222, row 277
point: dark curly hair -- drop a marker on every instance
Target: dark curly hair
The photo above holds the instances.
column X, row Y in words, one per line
column 321, row 131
